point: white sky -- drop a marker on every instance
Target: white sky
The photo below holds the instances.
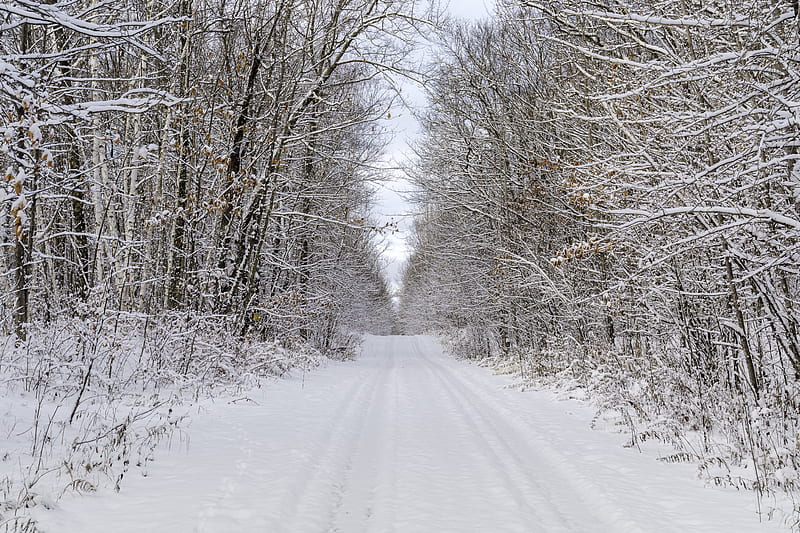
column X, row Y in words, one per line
column 391, row 204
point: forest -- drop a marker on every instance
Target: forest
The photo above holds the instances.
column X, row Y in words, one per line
column 609, row 198
column 606, row 192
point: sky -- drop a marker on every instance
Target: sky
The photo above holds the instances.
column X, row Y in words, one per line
column 391, row 201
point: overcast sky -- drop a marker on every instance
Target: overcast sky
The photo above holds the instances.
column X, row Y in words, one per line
column 391, row 203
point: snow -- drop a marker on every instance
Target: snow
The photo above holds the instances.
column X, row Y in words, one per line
column 405, row 439
column 19, row 179
column 34, row 134
column 18, row 205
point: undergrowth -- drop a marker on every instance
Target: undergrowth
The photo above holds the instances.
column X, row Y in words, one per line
column 85, row 402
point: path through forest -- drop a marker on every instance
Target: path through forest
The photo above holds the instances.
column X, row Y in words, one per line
column 405, row 439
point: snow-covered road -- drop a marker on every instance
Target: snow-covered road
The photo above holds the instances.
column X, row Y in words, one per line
column 406, row 440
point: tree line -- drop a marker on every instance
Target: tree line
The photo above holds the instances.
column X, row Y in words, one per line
column 195, row 157
column 609, row 192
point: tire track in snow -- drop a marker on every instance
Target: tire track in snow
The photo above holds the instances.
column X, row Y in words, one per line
column 356, row 495
column 558, row 467
column 520, row 486
column 301, row 503
column 384, row 519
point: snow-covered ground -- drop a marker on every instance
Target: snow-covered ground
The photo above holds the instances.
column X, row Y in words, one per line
column 405, row 439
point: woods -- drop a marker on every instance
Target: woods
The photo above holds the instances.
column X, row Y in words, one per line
column 206, row 157
column 611, row 200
